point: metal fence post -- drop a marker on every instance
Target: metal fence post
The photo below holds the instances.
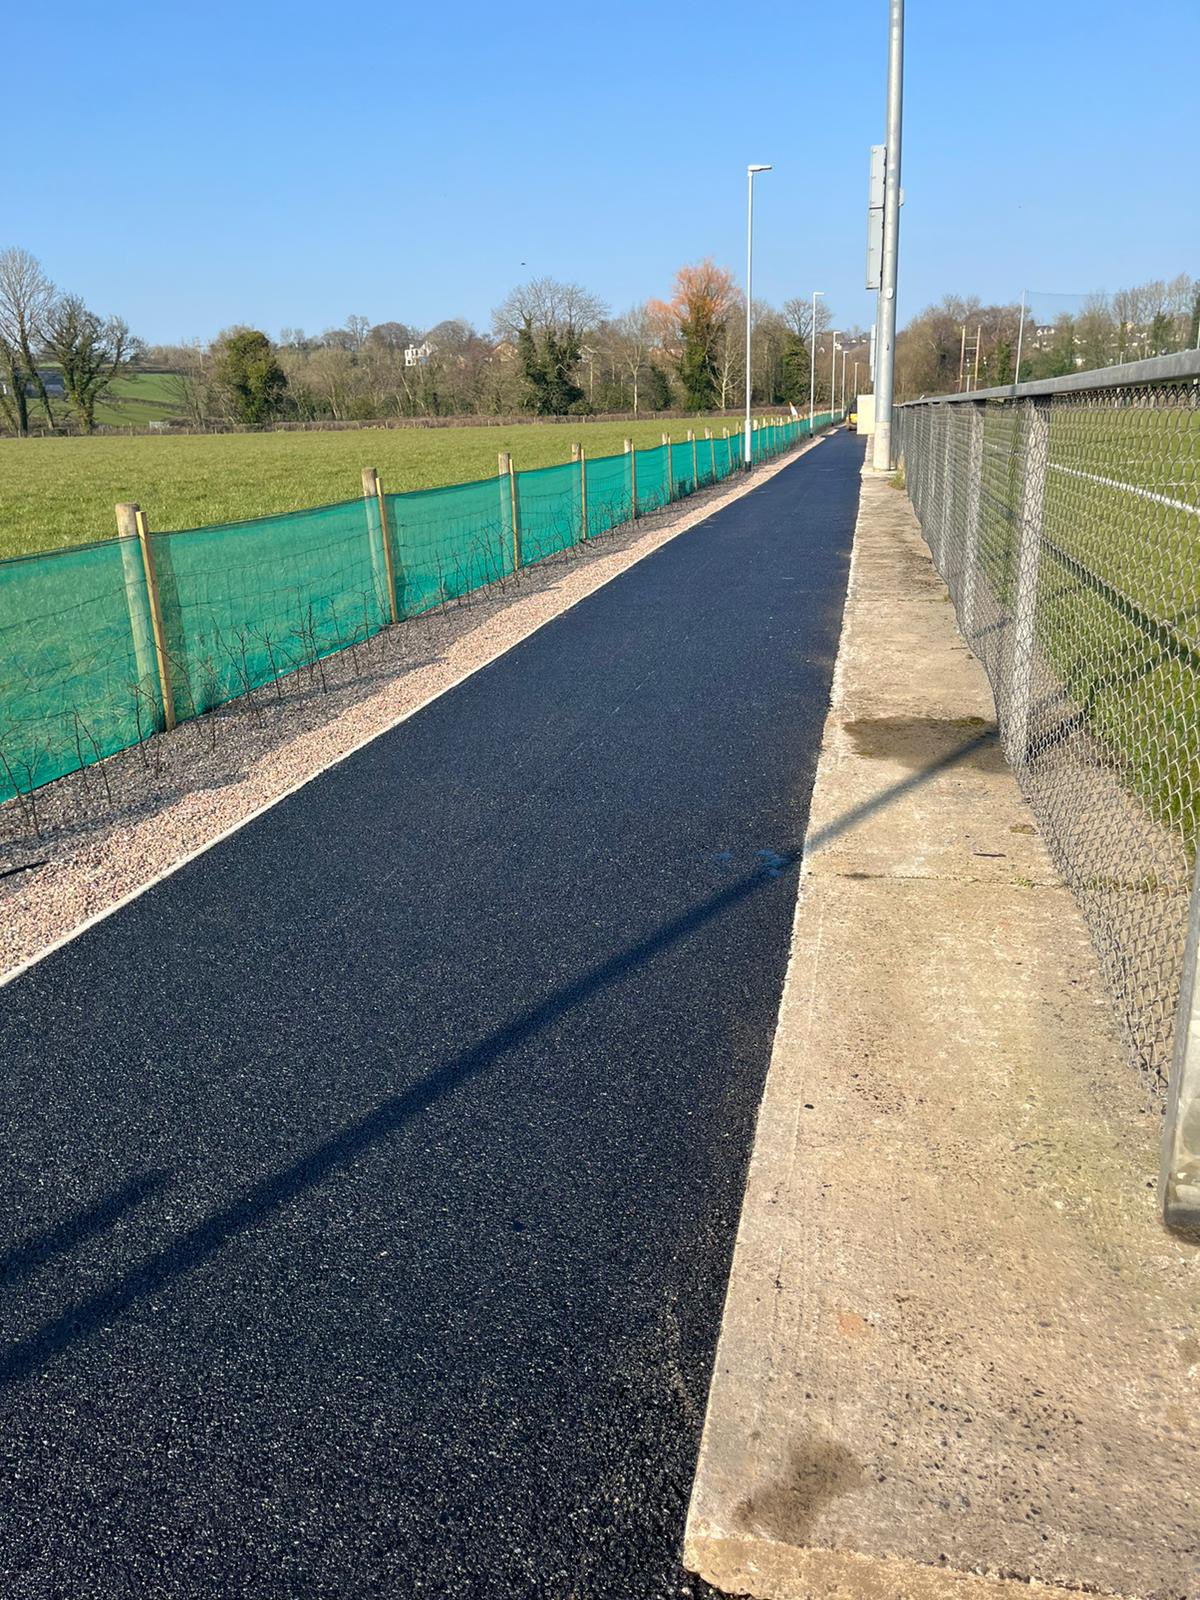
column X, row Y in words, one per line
column 1029, row 553
column 943, row 533
column 1179, row 1177
column 974, row 505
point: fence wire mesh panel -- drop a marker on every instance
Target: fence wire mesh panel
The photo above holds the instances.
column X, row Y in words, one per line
column 1067, row 528
column 244, row 605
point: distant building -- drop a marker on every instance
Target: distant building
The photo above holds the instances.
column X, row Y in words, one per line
column 52, row 378
column 416, row 355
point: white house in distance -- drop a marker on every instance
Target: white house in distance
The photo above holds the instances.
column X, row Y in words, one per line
column 416, row 355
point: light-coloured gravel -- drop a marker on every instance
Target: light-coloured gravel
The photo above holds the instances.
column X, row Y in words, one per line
column 105, row 833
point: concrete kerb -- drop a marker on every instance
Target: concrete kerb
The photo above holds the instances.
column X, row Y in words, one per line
column 958, row 1353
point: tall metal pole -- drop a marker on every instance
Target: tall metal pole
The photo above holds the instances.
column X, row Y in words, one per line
column 749, row 298
column 812, row 363
column 885, row 384
column 845, row 353
column 833, row 375
column 750, row 171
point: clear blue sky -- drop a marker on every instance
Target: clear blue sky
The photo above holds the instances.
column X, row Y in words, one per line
column 288, row 164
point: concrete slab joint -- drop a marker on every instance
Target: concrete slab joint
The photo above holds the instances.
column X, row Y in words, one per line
column 959, row 1353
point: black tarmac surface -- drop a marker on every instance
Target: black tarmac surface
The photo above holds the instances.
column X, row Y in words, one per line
column 370, row 1185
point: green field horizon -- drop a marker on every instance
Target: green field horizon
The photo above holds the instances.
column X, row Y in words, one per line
column 59, row 492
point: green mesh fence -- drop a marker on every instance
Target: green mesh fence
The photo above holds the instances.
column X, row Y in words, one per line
column 245, row 604
column 77, row 671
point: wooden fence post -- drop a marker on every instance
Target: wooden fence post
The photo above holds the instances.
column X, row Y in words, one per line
column 695, row 467
column 583, row 514
column 631, row 452
column 712, row 455
column 136, row 599
column 666, row 439
column 381, row 543
column 514, row 519
column 156, row 621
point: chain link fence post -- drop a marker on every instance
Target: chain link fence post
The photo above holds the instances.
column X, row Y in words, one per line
column 1029, row 555
column 974, row 504
column 1179, row 1182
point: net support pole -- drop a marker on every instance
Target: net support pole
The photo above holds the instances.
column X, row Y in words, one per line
column 712, row 455
column 506, row 474
column 380, row 541
column 1029, row 553
column 583, row 509
column 1179, row 1178
column 136, row 599
column 156, row 621
column 514, row 499
column 695, row 464
column 670, row 476
column 631, row 452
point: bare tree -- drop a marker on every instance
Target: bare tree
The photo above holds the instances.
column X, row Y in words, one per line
column 546, row 306
column 634, row 337
column 26, row 296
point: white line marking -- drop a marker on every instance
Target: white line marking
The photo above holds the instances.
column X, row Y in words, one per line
column 1128, row 488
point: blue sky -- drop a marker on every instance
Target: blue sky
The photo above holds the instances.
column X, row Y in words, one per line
column 289, row 164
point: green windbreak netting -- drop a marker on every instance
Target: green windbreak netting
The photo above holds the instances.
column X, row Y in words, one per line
column 549, row 511
column 245, row 602
column 609, row 493
column 447, row 542
column 77, row 670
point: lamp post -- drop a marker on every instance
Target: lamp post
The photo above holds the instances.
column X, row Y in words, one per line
column 833, row 373
column 845, row 353
column 747, row 454
column 818, row 294
column 883, row 455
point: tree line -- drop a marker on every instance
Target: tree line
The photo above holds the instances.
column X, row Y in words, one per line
column 552, row 349
column 962, row 343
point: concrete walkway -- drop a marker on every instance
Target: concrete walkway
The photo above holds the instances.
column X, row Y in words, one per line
column 959, row 1354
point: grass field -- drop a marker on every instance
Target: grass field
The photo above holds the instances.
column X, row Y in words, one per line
column 58, row 492
column 137, row 398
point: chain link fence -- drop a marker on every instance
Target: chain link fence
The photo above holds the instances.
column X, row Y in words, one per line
column 1064, row 517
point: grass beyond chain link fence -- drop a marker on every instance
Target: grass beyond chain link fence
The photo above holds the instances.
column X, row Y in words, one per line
column 1066, row 523
column 102, row 645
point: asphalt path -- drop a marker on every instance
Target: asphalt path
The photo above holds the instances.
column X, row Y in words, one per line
column 370, row 1184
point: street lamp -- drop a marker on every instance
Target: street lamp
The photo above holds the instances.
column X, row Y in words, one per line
column 837, row 332
column 750, row 171
column 844, row 355
column 818, row 294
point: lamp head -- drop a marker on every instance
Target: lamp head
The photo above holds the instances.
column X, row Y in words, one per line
column 758, row 169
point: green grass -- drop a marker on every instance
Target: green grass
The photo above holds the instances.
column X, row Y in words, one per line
column 138, row 398
column 60, row 492
column 1118, row 615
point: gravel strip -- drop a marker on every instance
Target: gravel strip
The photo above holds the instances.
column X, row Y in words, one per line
column 96, row 837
